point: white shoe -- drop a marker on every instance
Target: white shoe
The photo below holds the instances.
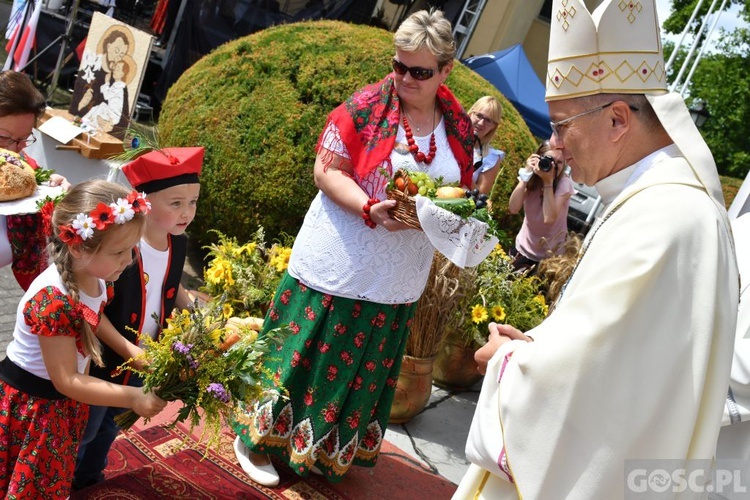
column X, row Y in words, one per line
column 314, row 469
column 261, row 474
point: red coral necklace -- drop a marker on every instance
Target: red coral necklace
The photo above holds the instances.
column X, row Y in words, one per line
column 413, row 148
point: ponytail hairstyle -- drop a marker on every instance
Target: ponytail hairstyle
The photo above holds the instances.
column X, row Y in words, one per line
column 536, row 182
column 86, row 199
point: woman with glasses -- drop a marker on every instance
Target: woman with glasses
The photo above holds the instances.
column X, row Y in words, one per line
column 544, row 189
column 22, row 243
column 485, row 115
column 355, row 273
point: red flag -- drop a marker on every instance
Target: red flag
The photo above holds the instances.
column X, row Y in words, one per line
column 79, row 49
column 28, row 40
column 12, row 39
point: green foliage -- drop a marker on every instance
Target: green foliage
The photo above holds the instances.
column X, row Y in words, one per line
column 498, row 294
column 245, row 276
column 722, row 82
column 259, row 103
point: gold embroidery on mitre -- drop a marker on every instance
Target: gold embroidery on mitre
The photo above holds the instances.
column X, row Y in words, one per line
column 565, row 14
column 630, row 6
column 616, row 49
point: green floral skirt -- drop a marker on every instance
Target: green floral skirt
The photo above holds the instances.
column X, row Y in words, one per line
column 340, row 368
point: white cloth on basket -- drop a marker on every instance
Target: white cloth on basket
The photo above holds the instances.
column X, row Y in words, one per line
column 464, row 242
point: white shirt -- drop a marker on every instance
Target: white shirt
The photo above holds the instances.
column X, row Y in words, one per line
column 493, row 158
column 155, row 264
column 336, row 253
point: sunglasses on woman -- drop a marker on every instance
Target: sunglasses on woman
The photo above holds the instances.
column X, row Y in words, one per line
column 415, row 71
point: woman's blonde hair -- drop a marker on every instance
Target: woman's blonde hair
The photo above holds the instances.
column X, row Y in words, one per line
column 427, row 29
column 84, row 198
column 494, row 112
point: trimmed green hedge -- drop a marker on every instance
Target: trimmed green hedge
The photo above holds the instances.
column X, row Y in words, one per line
column 258, row 105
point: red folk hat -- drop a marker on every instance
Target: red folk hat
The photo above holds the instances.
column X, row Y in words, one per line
column 163, row 168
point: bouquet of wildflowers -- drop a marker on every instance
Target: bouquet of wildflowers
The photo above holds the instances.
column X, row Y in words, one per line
column 502, row 295
column 210, row 363
column 245, row 275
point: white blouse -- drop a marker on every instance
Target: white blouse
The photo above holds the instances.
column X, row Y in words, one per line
column 336, row 253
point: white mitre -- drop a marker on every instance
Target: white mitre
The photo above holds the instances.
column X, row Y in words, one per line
column 617, row 49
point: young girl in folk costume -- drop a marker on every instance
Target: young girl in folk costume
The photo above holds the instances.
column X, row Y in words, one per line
column 44, row 388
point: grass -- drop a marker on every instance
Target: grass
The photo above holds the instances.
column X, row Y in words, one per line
column 730, row 186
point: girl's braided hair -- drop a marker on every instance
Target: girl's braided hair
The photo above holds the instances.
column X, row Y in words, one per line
column 84, row 198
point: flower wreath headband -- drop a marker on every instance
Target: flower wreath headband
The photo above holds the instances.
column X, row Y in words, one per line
column 123, row 210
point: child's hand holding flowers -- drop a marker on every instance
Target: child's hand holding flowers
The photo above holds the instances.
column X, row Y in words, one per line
column 209, row 363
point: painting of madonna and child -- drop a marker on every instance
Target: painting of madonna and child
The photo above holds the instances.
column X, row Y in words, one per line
column 110, row 75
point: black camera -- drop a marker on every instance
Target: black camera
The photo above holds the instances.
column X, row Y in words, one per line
column 546, row 163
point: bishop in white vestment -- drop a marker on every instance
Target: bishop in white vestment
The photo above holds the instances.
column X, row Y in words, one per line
column 633, row 362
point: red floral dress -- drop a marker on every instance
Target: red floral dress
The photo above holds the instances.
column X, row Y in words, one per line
column 39, row 437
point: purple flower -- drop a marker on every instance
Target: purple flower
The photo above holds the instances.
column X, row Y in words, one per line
column 218, row 392
column 181, row 348
column 193, row 363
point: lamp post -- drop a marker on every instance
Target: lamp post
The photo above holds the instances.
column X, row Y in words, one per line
column 699, row 113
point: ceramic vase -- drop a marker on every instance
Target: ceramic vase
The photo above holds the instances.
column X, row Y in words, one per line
column 454, row 366
column 413, row 388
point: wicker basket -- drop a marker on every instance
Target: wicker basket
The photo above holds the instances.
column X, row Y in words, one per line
column 405, row 210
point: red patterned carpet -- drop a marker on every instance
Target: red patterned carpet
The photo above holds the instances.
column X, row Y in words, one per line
column 152, row 463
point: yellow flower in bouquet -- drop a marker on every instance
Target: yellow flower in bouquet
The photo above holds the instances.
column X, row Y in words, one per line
column 245, row 274
column 208, row 362
column 503, row 296
column 280, row 257
column 498, row 314
column 220, row 272
column 479, row 314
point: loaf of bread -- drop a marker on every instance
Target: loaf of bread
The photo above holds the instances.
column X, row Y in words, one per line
column 17, row 179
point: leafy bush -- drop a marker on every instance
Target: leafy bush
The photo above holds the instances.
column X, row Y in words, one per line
column 259, row 103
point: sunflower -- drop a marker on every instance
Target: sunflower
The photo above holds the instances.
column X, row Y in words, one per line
column 498, row 313
column 479, row 314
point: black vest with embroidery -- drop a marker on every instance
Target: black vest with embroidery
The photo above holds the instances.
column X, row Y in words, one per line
column 127, row 306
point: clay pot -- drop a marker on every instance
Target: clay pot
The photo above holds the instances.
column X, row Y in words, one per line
column 455, row 367
column 413, row 389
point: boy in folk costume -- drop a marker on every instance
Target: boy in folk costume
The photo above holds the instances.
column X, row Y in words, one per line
column 150, row 286
column 633, row 362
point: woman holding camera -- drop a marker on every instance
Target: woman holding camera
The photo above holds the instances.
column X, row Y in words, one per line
column 544, row 190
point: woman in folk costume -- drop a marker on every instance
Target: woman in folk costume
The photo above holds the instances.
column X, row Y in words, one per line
column 356, row 273
column 22, row 241
column 633, row 362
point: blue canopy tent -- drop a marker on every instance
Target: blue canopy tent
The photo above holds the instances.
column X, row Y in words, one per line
column 511, row 73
